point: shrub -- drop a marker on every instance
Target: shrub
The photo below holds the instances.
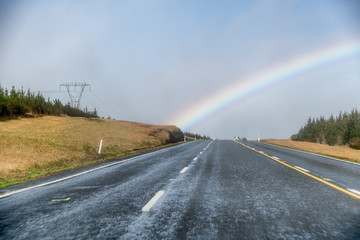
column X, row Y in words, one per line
column 355, row 143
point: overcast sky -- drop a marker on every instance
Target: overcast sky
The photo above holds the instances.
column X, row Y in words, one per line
column 148, row 61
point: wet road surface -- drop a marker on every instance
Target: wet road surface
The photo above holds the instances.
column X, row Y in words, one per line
column 197, row 190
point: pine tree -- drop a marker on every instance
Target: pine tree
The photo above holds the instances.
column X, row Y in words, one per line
column 17, row 103
column 331, row 131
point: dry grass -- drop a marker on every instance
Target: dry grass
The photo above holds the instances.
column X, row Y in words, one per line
column 37, row 146
column 341, row 152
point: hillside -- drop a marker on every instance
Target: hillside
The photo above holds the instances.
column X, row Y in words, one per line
column 341, row 152
column 32, row 147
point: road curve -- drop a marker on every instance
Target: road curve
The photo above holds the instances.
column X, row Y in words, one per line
column 197, row 190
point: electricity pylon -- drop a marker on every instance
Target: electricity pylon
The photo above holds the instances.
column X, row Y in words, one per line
column 76, row 87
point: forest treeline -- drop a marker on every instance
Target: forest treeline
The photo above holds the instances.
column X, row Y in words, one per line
column 343, row 129
column 197, row 136
column 17, row 103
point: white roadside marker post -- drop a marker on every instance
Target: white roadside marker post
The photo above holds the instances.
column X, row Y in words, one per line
column 101, row 141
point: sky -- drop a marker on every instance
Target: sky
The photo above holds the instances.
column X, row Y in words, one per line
column 174, row 62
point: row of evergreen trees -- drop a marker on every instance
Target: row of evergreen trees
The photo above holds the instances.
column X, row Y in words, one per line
column 341, row 130
column 197, row 136
column 15, row 103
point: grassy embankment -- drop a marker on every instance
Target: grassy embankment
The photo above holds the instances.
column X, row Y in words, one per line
column 340, row 152
column 35, row 147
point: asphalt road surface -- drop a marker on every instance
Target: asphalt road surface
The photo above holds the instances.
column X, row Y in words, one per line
column 196, row 190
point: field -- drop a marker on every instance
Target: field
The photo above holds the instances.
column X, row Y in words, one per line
column 340, row 152
column 33, row 147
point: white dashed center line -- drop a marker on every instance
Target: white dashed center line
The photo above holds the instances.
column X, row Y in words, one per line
column 195, row 158
column 201, row 152
column 61, row 200
column 302, row 169
column 184, row 170
column 151, row 203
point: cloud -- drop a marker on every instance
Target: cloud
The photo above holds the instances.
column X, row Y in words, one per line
column 150, row 60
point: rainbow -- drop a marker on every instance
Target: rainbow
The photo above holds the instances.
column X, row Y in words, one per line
column 201, row 111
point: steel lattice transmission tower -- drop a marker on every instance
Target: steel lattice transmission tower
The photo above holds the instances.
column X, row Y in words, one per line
column 77, row 88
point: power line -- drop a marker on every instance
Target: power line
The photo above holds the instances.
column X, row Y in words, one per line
column 49, row 91
column 87, row 100
column 107, row 105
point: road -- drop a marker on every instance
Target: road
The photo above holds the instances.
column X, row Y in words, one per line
column 197, row 190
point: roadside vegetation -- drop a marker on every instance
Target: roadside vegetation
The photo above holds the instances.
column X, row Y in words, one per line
column 335, row 131
column 18, row 103
column 39, row 137
column 34, row 147
column 341, row 152
column 192, row 136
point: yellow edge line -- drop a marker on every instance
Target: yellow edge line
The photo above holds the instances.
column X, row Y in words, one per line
column 312, row 176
